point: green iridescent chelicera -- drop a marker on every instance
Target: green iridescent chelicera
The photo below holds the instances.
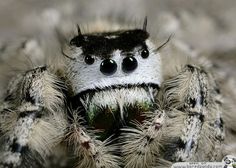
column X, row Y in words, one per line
column 108, row 119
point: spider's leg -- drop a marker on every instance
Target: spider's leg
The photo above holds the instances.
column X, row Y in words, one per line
column 31, row 119
column 90, row 152
column 141, row 145
column 195, row 129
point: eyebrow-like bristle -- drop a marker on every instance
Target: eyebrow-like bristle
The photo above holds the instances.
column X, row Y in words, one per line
column 78, row 30
column 145, row 24
column 164, row 44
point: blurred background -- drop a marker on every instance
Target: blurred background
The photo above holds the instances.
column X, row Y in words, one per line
column 206, row 26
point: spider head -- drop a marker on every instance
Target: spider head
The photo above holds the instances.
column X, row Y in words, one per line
column 108, row 59
column 113, row 71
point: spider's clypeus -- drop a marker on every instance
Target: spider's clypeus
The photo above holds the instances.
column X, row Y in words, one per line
column 111, row 106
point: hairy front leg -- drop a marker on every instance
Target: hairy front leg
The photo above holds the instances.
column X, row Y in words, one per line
column 193, row 105
column 32, row 121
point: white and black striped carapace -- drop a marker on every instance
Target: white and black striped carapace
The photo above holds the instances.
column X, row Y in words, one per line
column 110, row 59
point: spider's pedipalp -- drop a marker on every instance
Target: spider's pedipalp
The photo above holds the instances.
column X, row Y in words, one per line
column 140, row 145
column 91, row 153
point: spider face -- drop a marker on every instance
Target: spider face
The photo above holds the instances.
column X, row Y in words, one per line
column 112, row 73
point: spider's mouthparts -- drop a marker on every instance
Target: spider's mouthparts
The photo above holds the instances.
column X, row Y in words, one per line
column 109, row 109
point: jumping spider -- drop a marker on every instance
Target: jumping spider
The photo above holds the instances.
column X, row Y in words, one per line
column 111, row 107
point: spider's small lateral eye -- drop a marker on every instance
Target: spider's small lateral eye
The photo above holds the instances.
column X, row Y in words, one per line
column 89, row 59
column 145, row 53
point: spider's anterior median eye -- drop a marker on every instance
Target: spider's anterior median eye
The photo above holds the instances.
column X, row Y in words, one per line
column 145, row 53
column 89, row 59
column 108, row 67
column 129, row 64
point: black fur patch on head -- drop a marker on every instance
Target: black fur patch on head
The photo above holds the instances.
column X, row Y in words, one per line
column 103, row 44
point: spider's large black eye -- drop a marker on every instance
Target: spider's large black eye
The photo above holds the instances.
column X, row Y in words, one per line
column 108, row 67
column 145, row 53
column 129, row 64
column 89, row 59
